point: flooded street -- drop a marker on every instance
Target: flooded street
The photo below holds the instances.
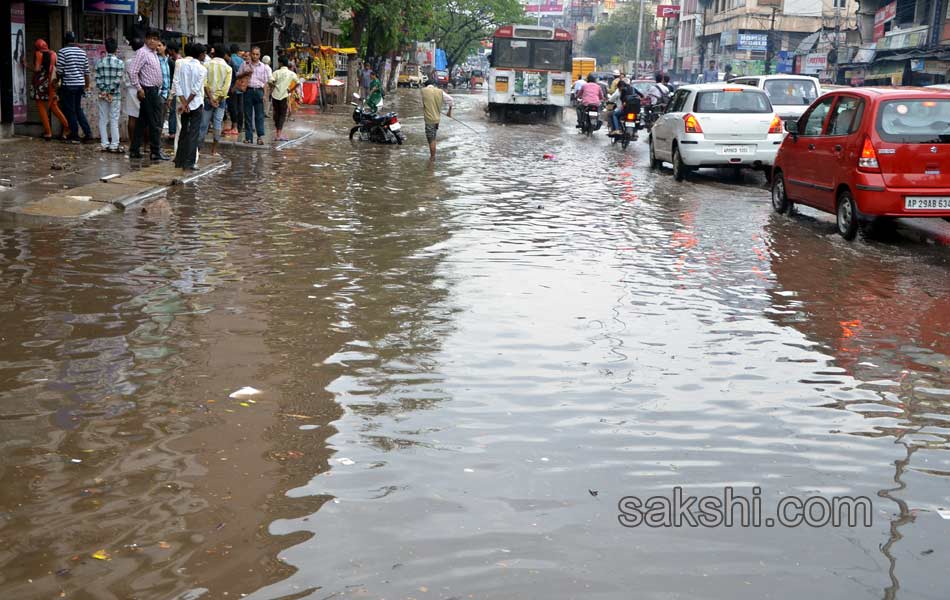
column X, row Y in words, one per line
column 464, row 367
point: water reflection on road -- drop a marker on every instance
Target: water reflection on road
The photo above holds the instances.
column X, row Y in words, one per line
column 466, row 365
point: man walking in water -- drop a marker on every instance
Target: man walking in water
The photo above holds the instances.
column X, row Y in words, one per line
column 433, row 99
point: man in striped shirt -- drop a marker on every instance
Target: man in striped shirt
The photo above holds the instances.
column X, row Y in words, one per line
column 145, row 74
column 109, row 81
column 72, row 69
column 216, row 95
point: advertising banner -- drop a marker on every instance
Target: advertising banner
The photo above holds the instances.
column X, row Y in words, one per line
column 545, row 7
column 814, row 63
column 18, row 45
column 667, row 11
column 753, row 41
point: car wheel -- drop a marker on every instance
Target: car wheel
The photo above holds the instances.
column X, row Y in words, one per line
column 779, row 197
column 679, row 168
column 654, row 163
column 847, row 216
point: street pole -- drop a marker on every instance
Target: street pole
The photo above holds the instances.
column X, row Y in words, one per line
column 768, row 42
column 636, row 59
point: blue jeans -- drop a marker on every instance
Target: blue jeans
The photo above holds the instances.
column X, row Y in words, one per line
column 217, row 115
column 253, row 109
column 615, row 118
column 72, row 106
column 173, row 116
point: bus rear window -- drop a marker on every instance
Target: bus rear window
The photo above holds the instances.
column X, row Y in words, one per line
column 511, row 54
column 543, row 55
column 722, row 101
column 916, row 121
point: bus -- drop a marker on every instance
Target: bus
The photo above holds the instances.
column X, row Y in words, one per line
column 530, row 72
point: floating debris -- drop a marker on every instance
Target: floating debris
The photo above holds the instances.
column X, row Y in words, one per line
column 244, row 392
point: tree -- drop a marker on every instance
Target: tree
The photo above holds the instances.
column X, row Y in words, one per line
column 458, row 25
column 380, row 28
column 616, row 40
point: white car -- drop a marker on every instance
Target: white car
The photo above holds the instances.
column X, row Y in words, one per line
column 716, row 125
column 790, row 94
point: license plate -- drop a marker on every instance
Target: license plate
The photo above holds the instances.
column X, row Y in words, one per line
column 735, row 150
column 631, row 123
column 395, row 127
column 592, row 114
column 927, row 202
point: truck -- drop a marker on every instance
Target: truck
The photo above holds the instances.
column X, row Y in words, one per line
column 582, row 66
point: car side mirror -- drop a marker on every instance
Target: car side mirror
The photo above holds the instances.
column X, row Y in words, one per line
column 791, row 126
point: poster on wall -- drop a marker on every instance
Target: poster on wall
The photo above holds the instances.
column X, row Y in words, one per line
column 18, row 45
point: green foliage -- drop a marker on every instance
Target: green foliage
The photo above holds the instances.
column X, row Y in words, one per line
column 459, row 25
column 616, row 40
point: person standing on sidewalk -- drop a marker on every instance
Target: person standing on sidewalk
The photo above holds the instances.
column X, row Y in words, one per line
column 72, row 68
column 131, row 101
column 43, row 89
column 189, row 92
column 216, row 97
column 280, row 84
column 171, row 50
column 109, row 83
column 236, row 94
column 433, row 99
column 165, row 92
column 146, row 76
column 257, row 75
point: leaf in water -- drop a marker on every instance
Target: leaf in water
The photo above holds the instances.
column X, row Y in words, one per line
column 101, row 555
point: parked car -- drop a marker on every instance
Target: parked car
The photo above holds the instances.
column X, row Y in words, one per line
column 442, row 79
column 716, row 125
column 790, row 95
column 868, row 155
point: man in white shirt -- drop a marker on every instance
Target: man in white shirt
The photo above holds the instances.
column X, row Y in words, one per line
column 190, row 77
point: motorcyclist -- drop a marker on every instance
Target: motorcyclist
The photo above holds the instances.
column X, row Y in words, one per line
column 591, row 96
column 658, row 92
column 627, row 100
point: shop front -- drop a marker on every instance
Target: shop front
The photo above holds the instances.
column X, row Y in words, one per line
column 245, row 25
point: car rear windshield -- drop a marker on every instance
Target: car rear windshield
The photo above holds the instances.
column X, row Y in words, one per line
column 732, row 101
column 918, row 121
column 791, row 92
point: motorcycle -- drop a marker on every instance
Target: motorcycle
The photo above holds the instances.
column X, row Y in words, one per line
column 372, row 127
column 590, row 119
column 629, row 124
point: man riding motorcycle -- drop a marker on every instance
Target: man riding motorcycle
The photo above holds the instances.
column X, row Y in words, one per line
column 627, row 100
column 590, row 97
column 658, row 92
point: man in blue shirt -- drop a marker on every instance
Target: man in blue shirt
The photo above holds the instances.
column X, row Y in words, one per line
column 235, row 96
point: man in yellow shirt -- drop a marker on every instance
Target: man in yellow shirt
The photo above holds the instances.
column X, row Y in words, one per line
column 216, row 95
column 433, row 99
column 281, row 82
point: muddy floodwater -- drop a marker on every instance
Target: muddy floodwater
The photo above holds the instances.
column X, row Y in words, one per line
column 464, row 368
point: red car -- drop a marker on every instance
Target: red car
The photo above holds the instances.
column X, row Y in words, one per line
column 868, row 155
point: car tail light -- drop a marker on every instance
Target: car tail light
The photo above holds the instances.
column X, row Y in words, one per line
column 631, row 116
column 692, row 124
column 776, row 126
column 868, row 160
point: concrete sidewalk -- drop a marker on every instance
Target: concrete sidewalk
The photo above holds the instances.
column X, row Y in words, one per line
column 46, row 182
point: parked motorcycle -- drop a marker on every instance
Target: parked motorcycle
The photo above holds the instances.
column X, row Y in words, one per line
column 372, row 127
